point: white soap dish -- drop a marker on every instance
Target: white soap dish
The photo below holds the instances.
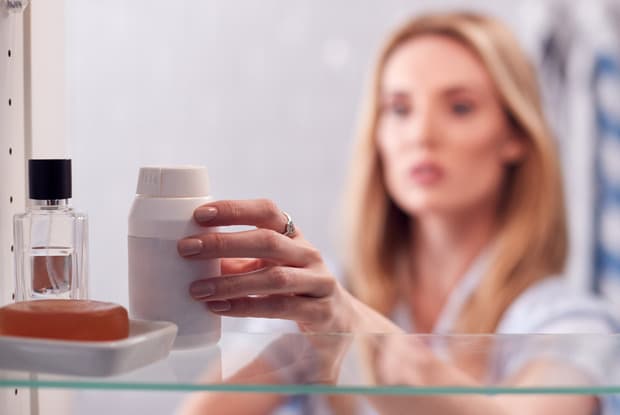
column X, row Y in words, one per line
column 148, row 342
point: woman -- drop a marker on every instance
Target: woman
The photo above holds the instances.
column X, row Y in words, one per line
column 455, row 221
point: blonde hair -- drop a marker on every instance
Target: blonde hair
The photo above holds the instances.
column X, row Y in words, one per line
column 532, row 238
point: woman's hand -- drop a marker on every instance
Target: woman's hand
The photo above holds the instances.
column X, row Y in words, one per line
column 266, row 274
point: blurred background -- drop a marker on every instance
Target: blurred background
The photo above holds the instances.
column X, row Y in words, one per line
column 267, row 93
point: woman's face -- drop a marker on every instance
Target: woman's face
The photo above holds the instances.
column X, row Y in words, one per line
column 443, row 136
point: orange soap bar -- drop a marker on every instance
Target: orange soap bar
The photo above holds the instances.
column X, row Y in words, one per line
column 65, row 320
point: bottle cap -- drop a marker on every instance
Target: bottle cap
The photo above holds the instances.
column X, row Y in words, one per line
column 173, row 181
column 49, row 179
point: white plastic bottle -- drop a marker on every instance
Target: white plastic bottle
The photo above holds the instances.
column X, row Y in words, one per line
column 159, row 278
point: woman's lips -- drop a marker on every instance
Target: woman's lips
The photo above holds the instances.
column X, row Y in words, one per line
column 426, row 174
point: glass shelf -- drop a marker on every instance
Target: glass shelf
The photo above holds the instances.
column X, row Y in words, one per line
column 371, row 364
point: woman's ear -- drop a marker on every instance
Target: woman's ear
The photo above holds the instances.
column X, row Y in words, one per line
column 512, row 149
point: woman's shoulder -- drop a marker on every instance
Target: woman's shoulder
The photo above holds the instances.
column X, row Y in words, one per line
column 552, row 305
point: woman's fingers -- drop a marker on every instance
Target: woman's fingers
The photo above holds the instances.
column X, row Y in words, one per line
column 258, row 243
column 262, row 213
column 266, row 273
column 303, row 310
column 242, row 265
column 266, row 281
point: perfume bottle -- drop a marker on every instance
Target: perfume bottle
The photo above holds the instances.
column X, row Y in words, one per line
column 51, row 239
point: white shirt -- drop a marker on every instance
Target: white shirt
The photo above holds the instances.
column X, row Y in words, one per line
column 548, row 306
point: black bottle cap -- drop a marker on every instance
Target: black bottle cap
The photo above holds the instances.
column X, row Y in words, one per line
column 49, row 179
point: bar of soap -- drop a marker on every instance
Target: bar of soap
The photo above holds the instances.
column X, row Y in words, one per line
column 65, row 320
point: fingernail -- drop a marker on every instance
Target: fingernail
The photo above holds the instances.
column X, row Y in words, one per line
column 189, row 247
column 205, row 214
column 219, row 306
column 201, row 289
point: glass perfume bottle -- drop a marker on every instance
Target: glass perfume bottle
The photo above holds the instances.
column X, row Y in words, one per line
column 51, row 239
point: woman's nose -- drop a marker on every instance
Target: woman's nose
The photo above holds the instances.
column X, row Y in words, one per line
column 421, row 130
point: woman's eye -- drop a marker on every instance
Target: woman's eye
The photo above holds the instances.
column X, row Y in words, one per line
column 399, row 109
column 462, row 108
